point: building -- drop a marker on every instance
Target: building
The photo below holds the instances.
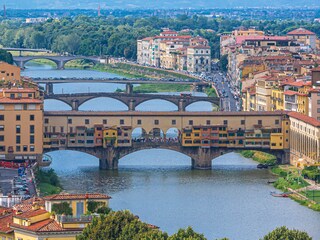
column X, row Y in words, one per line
column 38, row 218
column 170, row 50
column 199, row 59
column 304, row 139
column 6, row 232
column 21, row 121
column 314, row 103
column 9, row 73
column 304, row 37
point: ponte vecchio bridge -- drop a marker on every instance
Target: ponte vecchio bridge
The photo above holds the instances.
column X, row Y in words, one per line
column 202, row 136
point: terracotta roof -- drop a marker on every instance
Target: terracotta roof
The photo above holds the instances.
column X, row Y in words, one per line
column 5, row 221
column 169, row 32
column 48, row 225
column 9, row 90
column 31, row 213
column 304, row 118
column 299, row 83
column 27, row 204
column 315, row 90
column 20, row 100
column 147, row 39
column 317, row 69
column 291, row 93
column 4, row 211
column 241, row 39
column 301, row 31
column 77, row 196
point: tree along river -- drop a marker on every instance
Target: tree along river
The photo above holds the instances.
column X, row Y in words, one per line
column 232, row 200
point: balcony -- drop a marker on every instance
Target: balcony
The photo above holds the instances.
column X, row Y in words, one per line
column 72, row 219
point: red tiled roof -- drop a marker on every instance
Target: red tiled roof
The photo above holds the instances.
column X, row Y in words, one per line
column 317, row 69
column 20, row 100
column 27, row 204
column 5, row 221
column 48, row 225
column 301, row 31
column 291, row 93
column 4, row 211
column 315, row 90
column 30, row 213
column 147, row 39
column 304, row 118
column 299, row 83
column 17, row 90
column 241, row 39
column 77, row 196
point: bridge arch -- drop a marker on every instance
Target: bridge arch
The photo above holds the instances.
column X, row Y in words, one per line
column 138, row 104
column 82, row 103
column 61, row 104
column 39, row 57
column 198, row 102
column 80, row 58
column 138, row 134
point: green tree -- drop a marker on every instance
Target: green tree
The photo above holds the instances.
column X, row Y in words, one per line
column 283, row 233
column 119, row 225
column 187, row 234
column 62, row 208
column 224, row 62
column 6, row 56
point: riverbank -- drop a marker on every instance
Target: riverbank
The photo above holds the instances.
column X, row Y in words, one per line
column 260, row 157
column 48, row 182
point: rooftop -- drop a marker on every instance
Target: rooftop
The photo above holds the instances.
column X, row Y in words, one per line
column 301, row 31
column 31, row 213
column 241, row 39
column 5, row 221
column 304, row 118
column 76, row 196
column 19, row 100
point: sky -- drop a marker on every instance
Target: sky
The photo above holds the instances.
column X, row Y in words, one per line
column 92, row 4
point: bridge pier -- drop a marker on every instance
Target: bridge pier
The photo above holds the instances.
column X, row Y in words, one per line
column 75, row 105
column 203, row 160
column 182, row 105
column 20, row 64
column 199, row 88
column 49, row 88
column 60, row 65
column 109, row 159
column 132, row 105
column 129, row 88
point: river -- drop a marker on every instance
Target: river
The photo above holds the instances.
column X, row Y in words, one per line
column 232, row 200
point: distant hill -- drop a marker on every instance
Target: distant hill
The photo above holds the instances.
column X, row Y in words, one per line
column 92, row 4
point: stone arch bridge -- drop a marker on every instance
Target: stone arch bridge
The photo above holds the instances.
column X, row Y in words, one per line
column 201, row 158
column 130, row 100
column 60, row 61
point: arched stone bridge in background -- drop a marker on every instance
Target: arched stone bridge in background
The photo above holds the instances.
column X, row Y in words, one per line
column 130, row 100
column 20, row 61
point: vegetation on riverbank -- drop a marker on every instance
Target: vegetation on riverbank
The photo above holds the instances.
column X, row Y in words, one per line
column 48, row 182
column 260, row 157
column 154, row 88
column 211, row 92
column 291, row 178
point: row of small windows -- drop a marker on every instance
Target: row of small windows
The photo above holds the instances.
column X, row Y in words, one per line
column 21, row 107
column 18, row 118
column 24, row 148
column 157, row 122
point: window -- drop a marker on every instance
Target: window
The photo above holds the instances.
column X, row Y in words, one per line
column 18, row 118
column 2, row 148
column 46, row 120
column 318, row 110
column 31, row 128
column 61, row 129
column 18, row 148
column 18, row 139
column 318, row 101
column 276, row 122
column 46, row 129
column 18, row 129
column 1, row 138
column 86, row 121
column 32, row 117
column 1, row 117
column 31, row 148
column 121, row 121
column 243, row 122
column 31, row 107
column 190, row 122
column 173, row 122
column 32, row 139
column 156, row 122
column 1, row 128
column 139, row 122
column 1, row 107
column 12, row 95
column 104, row 121
column 208, row 122
column 260, row 122
column 18, row 107
column 25, row 148
column 225, row 122
column 71, row 129
column 69, row 120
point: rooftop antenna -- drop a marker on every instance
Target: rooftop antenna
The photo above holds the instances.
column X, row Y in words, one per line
column 4, row 11
column 99, row 10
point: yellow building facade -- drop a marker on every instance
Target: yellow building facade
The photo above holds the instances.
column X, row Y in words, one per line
column 9, row 73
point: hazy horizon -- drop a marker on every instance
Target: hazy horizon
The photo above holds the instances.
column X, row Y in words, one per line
column 156, row 4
